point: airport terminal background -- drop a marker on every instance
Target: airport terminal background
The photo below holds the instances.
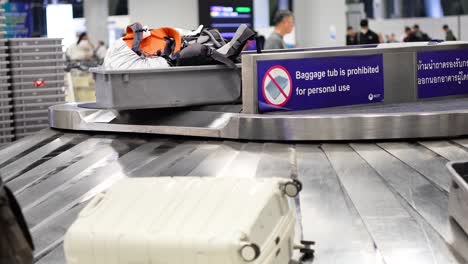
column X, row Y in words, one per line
column 319, row 23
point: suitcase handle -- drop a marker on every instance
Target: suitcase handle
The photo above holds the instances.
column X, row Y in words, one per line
column 92, row 205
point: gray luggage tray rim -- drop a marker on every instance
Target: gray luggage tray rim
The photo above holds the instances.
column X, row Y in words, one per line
column 37, row 68
column 16, row 47
column 36, row 61
column 455, row 174
column 34, row 39
column 24, row 54
column 102, row 70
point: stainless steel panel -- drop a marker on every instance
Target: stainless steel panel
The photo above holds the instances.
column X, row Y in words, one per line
column 249, row 75
column 56, row 256
column 422, row 160
column 48, row 237
column 84, row 189
column 440, row 250
column 400, row 75
column 462, row 142
column 415, row 120
column 327, row 217
column 218, row 160
column 277, row 160
column 187, row 163
column 446, row 149
column 56, row 164
column 37, row 194
column 168, row 156
column 15, row 168
column 396, row 233
column 245, row 163
column 23, row 145
column 416, row 190
column 360, row 202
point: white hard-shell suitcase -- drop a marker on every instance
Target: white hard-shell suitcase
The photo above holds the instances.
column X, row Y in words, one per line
column 186, row 220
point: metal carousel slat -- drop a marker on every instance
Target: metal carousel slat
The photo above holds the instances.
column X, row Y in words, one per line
column 327, row 215
column 362, row 202
column 276, row 160
column 423, row 160
column 49, row 236
column 216, row 163
column 420, row 193
column 56, row 164
column 169, row 156
column 20, row 146
column 446, row 149
column 87, row 187
column 246, row 161
column 185, row 164
column 83, row 168
column 13, row 169
column 427, row 201
column 396, row 234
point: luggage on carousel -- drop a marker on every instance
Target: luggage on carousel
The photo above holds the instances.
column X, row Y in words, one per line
column 458, row 207
column 187, row 220
column 137, row 72
column 458, row 198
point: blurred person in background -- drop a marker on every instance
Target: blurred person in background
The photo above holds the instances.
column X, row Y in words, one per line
column 392, row 38
column 449, row 36
column 284, row 24
column 82, row 50
column 381, row 38
column 101, row 51
column 410, row 36
column 367, row 36
column 351, row 36
column 421, row 36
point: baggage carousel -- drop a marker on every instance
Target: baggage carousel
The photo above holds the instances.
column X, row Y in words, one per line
column 375, row 180
column 363, row 201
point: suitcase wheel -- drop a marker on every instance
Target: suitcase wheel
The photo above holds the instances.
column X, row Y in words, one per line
column 307, row 252
column 292, row 189
column 250, row 252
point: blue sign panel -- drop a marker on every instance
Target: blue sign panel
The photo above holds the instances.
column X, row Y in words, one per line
column 18, row 20
column 442, row 73
column 312, row 83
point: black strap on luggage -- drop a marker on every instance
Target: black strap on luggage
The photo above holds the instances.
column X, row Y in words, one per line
column 222, row 59
column 137, row 37
column 215, row 37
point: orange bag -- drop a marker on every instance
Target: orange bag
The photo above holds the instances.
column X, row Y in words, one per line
column 162, row 41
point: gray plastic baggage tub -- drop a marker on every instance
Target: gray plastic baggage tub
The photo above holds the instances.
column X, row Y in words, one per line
column 35, row 41
column 167, row 87
column 15, row 50
column 43, row 70
column 25, row 78
column 458, row 198
column 38, row 63
column 37, row 56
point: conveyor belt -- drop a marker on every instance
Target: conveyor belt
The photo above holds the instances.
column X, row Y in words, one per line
column 369, row 202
